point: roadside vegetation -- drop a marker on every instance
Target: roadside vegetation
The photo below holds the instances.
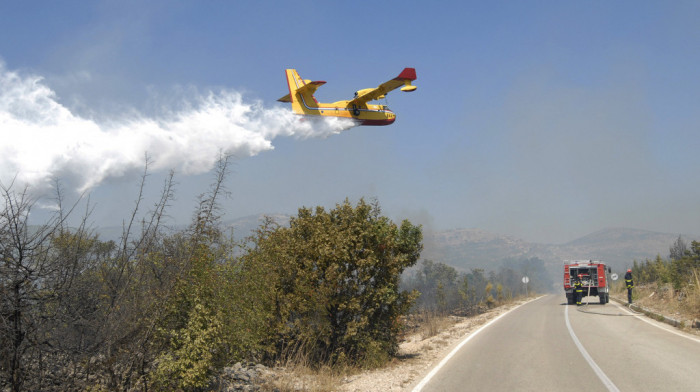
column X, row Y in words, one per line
column 444, row 290
column 167, row 310
column 672, row 285
column 446, row 294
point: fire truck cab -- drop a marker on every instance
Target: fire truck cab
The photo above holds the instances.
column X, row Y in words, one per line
column 595, row 279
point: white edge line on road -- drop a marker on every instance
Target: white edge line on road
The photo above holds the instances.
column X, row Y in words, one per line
column 442, row 363
column 608, row 383
column 644, row 318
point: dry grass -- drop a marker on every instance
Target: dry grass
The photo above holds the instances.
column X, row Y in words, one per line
column 431, row 324
column 297, row 373
column 428, row 333
column 682, row 305
column 303, row 377
column 693, row 300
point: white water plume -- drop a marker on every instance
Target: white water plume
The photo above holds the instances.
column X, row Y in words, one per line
column 40, row 139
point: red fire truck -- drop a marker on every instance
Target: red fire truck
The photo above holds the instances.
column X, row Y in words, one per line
column 595, row 279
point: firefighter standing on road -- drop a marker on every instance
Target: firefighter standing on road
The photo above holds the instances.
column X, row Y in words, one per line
column 629, row 284
column 578, row 289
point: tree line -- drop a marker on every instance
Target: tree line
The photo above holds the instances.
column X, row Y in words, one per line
column 165, row 310
column 445, row 290
column 681, row 269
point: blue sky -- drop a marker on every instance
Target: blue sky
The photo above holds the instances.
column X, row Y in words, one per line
column 541, row 120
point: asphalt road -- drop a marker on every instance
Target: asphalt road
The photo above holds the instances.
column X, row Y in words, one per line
column 546, row 345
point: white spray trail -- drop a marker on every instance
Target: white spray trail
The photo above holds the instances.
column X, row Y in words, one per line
column 40, row 139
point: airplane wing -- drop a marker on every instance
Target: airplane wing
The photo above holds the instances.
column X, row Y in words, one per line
column 404, row 78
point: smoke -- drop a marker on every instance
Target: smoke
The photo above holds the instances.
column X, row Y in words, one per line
column 41, row 140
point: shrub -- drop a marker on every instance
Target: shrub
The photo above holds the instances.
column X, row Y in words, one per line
column 334, row 282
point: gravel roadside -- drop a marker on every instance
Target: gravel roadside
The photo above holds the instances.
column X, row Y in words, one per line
column 417, row 356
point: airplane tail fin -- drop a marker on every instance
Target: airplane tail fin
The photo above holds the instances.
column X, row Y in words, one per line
column 301, row 93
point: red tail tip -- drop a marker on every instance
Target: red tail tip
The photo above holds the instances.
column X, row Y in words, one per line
column 407, row 73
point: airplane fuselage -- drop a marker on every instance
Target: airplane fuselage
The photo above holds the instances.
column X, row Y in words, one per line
column 367, row 114
column 301, row 96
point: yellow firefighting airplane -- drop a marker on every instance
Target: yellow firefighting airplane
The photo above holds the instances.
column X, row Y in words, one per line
column 301, row 95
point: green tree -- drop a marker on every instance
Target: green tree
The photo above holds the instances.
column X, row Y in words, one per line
column 335, row 278
column 437, row 284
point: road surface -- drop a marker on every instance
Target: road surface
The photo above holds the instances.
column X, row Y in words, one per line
column 546, row 345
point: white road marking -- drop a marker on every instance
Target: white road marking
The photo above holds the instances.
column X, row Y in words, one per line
column 442, row 363
column 601, row 375
column 645, row 319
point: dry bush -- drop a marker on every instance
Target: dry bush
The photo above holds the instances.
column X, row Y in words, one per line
column 431, row 324
column 692, row 303
column 303, row 376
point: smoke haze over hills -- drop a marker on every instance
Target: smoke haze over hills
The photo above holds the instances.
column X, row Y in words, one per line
column 618, row 247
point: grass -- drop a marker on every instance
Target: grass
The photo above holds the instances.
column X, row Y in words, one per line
column 693, row 301
column 296, row 373
column 299, row 375
column 431, row 324
column 682, row 305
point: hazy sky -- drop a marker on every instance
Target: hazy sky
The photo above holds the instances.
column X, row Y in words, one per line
column 542, row 120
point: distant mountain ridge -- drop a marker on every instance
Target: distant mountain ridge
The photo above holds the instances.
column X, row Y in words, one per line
column 472, row 248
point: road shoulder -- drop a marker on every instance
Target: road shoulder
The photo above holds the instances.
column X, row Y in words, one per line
column 417, row 356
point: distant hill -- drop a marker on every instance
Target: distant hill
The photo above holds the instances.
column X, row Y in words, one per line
column 621, row 246
column 472, row 248
column 465, row 249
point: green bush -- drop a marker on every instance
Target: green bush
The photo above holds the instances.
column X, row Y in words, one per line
column 334, row 282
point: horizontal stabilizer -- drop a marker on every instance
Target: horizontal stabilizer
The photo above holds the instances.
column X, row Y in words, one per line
column 310, row 88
